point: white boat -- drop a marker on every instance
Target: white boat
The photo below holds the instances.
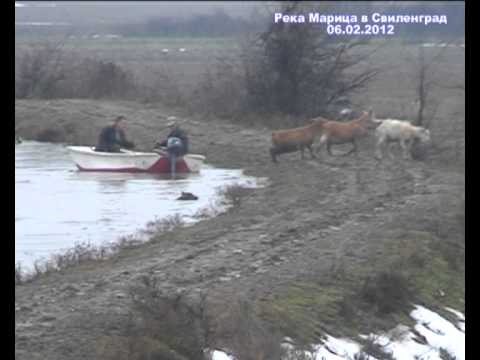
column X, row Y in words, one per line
column 87, row 159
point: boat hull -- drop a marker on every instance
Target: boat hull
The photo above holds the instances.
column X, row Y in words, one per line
column 86, row 159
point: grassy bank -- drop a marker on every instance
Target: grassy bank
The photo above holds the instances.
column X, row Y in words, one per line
column 421, row 262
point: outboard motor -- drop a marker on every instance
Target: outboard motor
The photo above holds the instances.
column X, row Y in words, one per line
column 174, row 150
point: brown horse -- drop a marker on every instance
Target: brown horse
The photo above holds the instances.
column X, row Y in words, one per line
column 336, row 132
column 297, row 139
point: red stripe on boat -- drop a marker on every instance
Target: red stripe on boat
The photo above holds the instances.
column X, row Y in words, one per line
column 161, row 166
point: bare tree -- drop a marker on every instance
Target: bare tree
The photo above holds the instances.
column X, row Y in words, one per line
column 40, row 70
column 294, row 70
column 426, row 105
column 298, row 69
column 426, row 68
column 47, row 70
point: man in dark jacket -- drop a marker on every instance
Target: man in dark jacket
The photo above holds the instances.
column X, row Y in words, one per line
column 177, row 132
column 112, row 138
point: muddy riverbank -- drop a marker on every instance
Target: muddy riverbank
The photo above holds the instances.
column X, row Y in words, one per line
column 316, row 215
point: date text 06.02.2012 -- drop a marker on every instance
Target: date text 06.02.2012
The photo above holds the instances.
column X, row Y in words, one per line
column 360, row 29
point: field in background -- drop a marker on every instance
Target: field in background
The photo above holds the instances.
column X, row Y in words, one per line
column 179, row 64
column 141, row 54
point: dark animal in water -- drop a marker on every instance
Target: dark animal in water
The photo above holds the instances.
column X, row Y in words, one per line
column 187, row 196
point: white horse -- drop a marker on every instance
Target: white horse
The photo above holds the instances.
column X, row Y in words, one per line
column 404, row 132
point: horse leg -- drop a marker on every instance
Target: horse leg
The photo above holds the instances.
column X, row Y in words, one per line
column 354, row 149
column 273, row 154
column 405, row 149
column 300, row 147
column 389, row 150
column 329, row 148
column 379, row 150
column 323, row 140
column 409, row 149
column 311, row 151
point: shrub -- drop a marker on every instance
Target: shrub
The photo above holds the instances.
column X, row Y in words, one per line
column 161, row 86
column 173, row 327
column 50, row 135
column 169, row 320
column 221, row 91
column 45, row 71
column 372, row 348
column 167, row 224
column 245, row 333
column 39, row 71
column 233, row 194
column 445, row 355
column 453, row 252
column 387, row 292
column 107, row 80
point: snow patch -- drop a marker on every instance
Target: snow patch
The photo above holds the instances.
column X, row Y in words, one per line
column 401, row 342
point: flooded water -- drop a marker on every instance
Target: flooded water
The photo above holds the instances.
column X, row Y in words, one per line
column 57, row 206
column 40, row 23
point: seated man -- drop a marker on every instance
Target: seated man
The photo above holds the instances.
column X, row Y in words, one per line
column 176, row 132
column 112, row 137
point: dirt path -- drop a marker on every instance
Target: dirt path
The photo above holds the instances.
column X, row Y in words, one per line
column 313, row 213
